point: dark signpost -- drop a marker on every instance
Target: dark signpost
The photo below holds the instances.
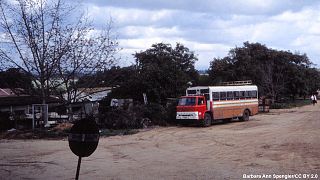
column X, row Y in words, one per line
column 83, row 139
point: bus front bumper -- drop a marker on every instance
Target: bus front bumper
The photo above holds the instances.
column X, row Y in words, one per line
column 187, row 115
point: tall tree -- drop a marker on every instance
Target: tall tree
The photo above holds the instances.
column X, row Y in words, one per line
column 277, row 73
column 165, row 71
column 46, row 40
column 88, row 56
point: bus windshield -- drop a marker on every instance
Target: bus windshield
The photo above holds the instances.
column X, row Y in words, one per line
column 187, row 101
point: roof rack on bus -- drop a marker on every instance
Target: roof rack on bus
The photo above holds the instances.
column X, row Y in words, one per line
column 236, row 83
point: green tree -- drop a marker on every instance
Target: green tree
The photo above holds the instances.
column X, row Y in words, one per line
column 15, row 78
column 278, row 74
column 313, row 80
column 164, row 71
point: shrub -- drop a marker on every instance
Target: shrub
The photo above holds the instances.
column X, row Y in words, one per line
column 290, row 104
column 171, row 112
column 119, row 119
column 138, row 116
column 277, row 106
column 156, row 113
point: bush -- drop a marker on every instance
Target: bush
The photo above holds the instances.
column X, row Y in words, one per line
column 290, row 104
column 138, row 116
column 119, row 119
column 171, row 112
column 277, row 106
column 156, row 113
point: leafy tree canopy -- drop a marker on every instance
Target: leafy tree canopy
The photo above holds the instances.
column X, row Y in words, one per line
column 278, row 74
column 15, row 78
column 165, row 71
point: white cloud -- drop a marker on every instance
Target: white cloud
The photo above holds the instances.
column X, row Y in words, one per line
column 205, row 52
column 212, row 28
column 148, row 32
column 130, row 16
column 250, row 7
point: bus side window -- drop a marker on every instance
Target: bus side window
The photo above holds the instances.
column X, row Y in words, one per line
column 249, row 95
column 230, row 95
column 254, row 94
column 223, row 95
column 215, row 96
column 242, row 95
column 236, row 94
column 246, row 94
column 193, row 92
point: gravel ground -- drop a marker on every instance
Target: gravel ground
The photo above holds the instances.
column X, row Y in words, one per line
column 278, row 143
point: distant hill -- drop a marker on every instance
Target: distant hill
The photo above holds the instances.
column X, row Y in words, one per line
column 203, row 72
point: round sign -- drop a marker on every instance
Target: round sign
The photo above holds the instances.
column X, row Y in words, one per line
column 84, row 137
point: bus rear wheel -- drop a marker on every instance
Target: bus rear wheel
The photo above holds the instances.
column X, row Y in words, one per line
column 206, row 121
column 245, row 115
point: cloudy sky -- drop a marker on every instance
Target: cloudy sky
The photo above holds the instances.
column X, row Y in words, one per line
column 211, row 28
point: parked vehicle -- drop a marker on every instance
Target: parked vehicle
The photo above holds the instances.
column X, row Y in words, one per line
column 204, row 104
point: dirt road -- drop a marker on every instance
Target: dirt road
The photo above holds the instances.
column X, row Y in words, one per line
column 281, row 142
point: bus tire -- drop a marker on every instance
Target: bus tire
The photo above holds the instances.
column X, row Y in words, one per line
column 245, row 116
column 207, row 120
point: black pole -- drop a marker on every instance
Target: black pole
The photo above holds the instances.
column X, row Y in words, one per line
column 78, row 168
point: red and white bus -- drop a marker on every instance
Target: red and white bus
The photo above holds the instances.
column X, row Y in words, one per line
column 204, row 104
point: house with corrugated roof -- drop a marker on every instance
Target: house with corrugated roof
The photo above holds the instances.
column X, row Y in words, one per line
column 21, row 105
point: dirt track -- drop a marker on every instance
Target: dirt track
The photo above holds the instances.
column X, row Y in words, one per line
column 280, row 142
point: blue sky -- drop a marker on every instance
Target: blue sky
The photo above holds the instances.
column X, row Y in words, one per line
column 211, row 28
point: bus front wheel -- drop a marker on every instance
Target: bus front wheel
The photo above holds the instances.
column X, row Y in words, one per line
column 207, row 120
